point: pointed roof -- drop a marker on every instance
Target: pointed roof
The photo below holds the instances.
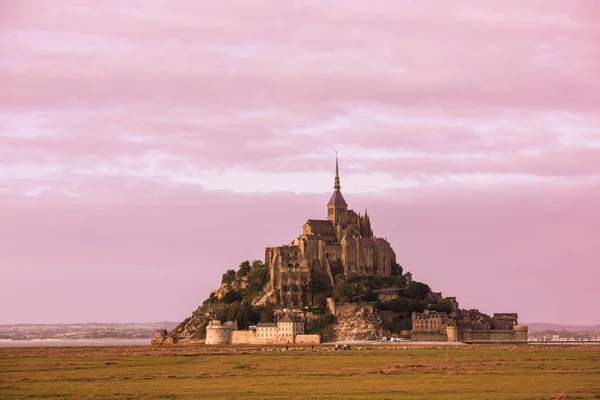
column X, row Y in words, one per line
column 336, row 198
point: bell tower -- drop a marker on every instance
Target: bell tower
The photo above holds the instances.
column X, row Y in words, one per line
column 337, row 209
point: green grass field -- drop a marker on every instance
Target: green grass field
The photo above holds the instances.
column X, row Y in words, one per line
column 386, row 372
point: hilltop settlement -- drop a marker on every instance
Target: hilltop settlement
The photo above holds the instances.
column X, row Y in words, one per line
column 335, row 281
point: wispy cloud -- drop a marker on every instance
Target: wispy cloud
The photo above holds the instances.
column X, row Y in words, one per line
column 157, row 105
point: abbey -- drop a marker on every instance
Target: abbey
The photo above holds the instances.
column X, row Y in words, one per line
column 345, row 239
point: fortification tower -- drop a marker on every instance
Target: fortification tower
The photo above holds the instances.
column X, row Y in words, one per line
column 337, row 208
column 520, row 333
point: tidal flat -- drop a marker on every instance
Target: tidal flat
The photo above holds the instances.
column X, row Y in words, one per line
column 259, row 372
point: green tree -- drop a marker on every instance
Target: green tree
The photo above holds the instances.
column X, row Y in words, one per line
column 244, row 269
column 416, row 306
column 399, row 305
column 259, row 276
column 337, row 268
column 320, row 284
column 228, row 277
column 266, row 315
column 444, row 305
column 396, row 269
column 370, row 296
column 231, row 296
column 212, row 299
column 417, row 290
column 345, row 291
column 321, row 301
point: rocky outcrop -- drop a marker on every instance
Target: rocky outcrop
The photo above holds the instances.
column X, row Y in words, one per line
column 357, row 322
column 191, row 329
column 237, row 284
column 266, row 296
column 161, row 336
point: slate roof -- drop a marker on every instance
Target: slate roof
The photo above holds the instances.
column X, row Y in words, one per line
column 322, row 227
column 337, row 199
column 267, row 324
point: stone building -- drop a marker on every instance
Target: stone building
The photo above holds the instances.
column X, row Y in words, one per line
column 344, row 239
column 284, row 331
column 473, row 319
column 429, row 321
column 470, row 326
column 288, row 330
column 266, row 330
column 504, row 320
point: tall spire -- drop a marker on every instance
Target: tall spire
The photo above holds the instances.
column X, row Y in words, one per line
column 337, row 186
column 337, row 208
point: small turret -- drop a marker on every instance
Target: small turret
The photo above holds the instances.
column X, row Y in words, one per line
column 365, row 227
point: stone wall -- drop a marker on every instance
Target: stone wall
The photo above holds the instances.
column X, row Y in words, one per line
column 308, row 339
column 244, row 337
column 428, row 337
column 452, row 334
column 483, row 336
column 249, row 337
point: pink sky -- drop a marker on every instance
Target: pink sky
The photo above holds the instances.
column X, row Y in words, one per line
column 147, row 146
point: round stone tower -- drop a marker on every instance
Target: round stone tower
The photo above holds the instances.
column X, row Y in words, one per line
column 452, row 333
column 520, row 333
column 217, row 333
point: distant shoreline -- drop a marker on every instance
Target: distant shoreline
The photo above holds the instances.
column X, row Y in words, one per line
column 73, row 342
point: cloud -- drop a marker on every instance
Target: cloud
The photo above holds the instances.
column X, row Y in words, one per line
column 496, row 249
column 133, row 132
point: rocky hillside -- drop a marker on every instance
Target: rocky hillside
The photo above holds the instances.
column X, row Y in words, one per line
column 235, row 299
column 244, row 296
column 191, row 329
column 357, row 322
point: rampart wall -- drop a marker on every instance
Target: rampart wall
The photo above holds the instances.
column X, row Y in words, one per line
column 428, row 337
column 494, row 335
column 244, row 337
column 516, row 335
column 308, row 339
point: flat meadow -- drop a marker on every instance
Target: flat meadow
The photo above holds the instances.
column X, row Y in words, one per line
column 258, row 372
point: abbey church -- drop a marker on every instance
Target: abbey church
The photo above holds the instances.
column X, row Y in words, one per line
column 344, row 239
